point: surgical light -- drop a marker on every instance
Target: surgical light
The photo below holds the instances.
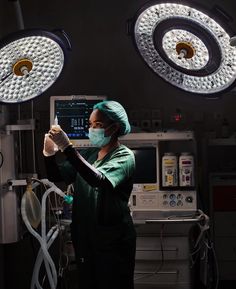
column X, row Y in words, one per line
column 186, row 47
column 30, row 62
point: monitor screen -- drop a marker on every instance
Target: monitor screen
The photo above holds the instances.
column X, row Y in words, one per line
column 146, row 151
column 73, row 114
column 146, row 165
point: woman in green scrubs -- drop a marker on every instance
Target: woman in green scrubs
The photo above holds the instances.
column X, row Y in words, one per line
column 102, row 230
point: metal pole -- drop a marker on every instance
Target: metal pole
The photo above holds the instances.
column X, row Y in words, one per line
column 18, row 11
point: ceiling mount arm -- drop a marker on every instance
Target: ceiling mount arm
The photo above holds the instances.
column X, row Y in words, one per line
column 19, row 15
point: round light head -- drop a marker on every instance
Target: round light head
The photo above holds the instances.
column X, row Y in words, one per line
column 30, row 62
column 186, row 47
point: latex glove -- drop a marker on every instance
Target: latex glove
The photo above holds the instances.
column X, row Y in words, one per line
column 59, row 137
column 49, row 148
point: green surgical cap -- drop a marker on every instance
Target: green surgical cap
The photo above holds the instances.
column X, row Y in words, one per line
column 116, row 112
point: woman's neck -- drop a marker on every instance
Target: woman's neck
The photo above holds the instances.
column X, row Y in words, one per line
column 107, row 148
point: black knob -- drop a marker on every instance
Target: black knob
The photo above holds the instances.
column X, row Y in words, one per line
column 189, row 199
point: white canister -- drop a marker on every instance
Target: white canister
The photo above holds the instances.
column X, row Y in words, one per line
column 169, row 170
column 186, row 170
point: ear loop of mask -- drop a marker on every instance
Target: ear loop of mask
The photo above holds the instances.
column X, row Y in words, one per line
column 109, row 126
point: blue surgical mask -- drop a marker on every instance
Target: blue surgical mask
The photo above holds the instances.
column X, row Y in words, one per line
column 97, row 137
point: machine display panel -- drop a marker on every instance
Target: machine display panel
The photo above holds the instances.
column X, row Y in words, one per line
column 146, row 154
column 146, row 165
column 73, row 113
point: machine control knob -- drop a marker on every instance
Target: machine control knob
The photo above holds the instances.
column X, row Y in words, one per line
column 172, row 196
column 189, row 199
column 179, row 196
column 180, row 203
column 172, row 203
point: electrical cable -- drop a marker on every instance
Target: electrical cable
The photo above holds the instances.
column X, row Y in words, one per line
column 33, row 139
column 64, row 258
column 203, row 247
column 215, row 263
column 159, row 267
column 199, row 243
column 162, row 251
column 20, row 141
column 2, row 159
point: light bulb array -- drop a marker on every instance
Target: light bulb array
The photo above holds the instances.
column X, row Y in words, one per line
column 183, row 56
column 29, row 66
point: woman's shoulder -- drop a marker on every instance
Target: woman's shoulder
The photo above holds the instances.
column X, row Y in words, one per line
column 124, row 151
column 125, row 148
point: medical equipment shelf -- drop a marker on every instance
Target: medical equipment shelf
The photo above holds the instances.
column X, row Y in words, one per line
column 163, row 251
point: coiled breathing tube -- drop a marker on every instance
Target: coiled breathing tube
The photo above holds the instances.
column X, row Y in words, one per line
column 30, row 207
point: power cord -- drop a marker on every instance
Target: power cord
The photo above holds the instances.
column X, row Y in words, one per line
column 204, row 252
column 159, row 267
column 2, row 159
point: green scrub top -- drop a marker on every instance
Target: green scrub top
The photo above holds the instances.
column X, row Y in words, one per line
column 99, row 214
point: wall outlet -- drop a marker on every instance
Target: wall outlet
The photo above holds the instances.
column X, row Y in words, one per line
column 156, row 124
column 135, row 122
column 146, row 124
